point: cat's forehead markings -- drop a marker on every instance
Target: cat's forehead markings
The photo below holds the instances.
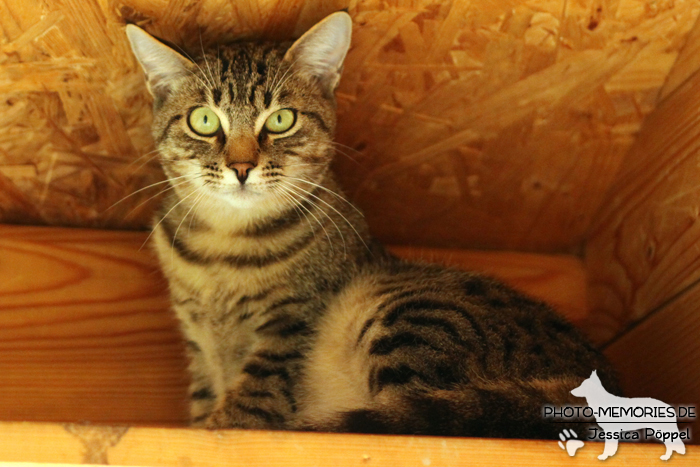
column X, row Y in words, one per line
column 216, row 96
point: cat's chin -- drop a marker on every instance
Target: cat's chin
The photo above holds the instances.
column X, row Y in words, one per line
column 243, row 199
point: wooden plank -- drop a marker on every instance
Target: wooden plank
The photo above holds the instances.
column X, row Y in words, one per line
column 643, row 248
column 85, row 331
column 73, row 444
column 659, row 357
column 667, row 343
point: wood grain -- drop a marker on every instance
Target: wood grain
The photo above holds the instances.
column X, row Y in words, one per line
column 643, row 248
column 200, row 448
column 86, row 335
column 659, row 357
column 686, row 64
column 467, row 124
column 85, row 332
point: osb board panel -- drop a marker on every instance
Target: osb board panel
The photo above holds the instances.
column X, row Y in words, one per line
column 86, row 335
column 464, row 123
column 76, row 444
column 659, row 357
column 643, row 248
column 687, row 63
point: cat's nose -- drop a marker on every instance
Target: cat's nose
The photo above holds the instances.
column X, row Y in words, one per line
column 242, row 169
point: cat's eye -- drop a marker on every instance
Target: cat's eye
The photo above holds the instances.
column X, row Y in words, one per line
column 204, row 121
column 280, row 121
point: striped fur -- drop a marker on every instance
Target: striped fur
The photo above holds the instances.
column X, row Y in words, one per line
column 295, row 318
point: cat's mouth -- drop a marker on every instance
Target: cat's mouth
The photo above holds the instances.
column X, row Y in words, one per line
column 246, row 189
column 246, row 197
column 243, row 192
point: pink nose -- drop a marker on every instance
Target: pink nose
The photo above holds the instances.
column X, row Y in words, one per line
column 242, row 170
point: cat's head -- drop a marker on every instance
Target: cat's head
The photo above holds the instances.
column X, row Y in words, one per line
column 250, row 124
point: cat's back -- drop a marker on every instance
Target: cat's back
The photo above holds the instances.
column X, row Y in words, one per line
column 411, row 328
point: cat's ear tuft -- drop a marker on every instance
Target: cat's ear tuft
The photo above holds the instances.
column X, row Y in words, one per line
column 164, row 67
column 320, row 52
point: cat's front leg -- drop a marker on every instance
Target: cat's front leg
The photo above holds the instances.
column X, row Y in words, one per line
column 253, row 405
column 202, row 390
column 206, row 386
column 263, row 395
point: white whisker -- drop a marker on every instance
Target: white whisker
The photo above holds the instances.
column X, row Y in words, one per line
column 172, row 247
column 310, row 164
column 295, row 204
column 139, row 158
column 329, row 191
column 336, row 149
column 196, row 202
column 291, row 194
column 166, row 215
column 172, row 187
column 339, row 213
column 204, row 56
column 340, row 232
column 189, row 57
column 145, row 188
column 285, row 77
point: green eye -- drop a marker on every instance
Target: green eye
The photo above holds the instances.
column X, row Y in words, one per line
column 280, row 121
column 204, row 121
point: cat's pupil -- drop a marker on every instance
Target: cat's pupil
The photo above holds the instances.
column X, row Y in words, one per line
column 206, row 119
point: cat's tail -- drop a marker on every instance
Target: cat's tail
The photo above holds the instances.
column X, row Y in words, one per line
column 483, row 409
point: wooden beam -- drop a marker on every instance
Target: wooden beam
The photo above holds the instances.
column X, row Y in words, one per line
column 86, row 334
column 77, row 444
column 659, row 357
column 643, row 248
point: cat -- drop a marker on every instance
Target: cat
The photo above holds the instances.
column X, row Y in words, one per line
column 294, row 316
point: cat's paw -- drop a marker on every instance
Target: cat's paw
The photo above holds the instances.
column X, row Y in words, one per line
column 218, row 419
column 569, row 444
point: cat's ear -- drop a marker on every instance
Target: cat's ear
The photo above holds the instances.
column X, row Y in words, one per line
column 164, row 67
column 320, row 52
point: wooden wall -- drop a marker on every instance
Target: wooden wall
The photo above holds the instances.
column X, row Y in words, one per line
column 643, row 250
column 496, row 124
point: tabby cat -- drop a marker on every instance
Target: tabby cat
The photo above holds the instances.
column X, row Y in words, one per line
column 295, row 318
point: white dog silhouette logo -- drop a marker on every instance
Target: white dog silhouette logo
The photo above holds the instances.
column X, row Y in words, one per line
column 618, row 414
